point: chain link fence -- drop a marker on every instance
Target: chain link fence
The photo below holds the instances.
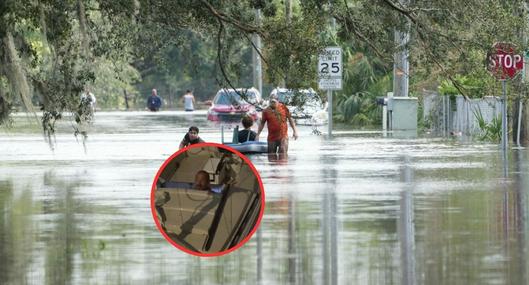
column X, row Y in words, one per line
column 446, row 115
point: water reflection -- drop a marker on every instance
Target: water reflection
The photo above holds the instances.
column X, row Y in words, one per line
column 406, row 225
column 355, row 209
column 329, row 227
column 46, row 223
column 278, row 158
column 14, row 238
column 520, row 201
column 259, row 255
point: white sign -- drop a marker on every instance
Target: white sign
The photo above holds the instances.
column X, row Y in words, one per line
column 330, row 69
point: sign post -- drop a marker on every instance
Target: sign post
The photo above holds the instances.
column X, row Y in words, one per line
column 504, row 126
column 504, row 63
column 330, row 76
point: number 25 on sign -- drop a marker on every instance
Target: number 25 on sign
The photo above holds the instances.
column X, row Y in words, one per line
column 325, row 67
column 330, row 69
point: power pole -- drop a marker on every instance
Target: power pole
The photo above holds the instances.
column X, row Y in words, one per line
column 288, row 18
column 256, row 58
column 401, row 68
column 288, row 10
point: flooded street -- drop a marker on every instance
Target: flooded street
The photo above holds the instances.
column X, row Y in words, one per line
column 357, row 209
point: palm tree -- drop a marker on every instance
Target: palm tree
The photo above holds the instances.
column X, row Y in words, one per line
column 365, row 78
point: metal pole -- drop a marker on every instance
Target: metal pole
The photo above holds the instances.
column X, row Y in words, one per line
column 384, row 120
column 444, row 115
column 448, row 114
column 329, row 110
column 329, row 92
column 504, row 138
column 520, row 106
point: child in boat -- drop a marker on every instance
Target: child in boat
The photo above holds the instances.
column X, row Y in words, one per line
column 247, row 134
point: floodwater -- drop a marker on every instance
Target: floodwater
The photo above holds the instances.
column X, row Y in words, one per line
column 359, row 208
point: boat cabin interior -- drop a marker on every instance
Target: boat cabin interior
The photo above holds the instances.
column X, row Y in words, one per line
column 206, row 221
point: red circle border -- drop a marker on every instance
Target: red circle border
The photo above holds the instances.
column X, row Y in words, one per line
column 261, row 189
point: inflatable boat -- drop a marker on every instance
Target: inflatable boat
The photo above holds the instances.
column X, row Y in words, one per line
column 249, row 147
column 246, row 147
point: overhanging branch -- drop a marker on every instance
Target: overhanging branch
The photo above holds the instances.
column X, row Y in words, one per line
column 225, row 18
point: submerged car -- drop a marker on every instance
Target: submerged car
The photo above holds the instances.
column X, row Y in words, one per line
column 305, row 106
column 232, row 104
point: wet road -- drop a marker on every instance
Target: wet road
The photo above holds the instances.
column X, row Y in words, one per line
column 356, row 209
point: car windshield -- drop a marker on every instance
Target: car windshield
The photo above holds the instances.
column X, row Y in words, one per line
column 231, row 97
column 287, row 97
column 284, row 97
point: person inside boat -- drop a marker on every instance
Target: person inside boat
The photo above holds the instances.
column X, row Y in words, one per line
column 247, row 134
column 190, row 138
column 202, row 182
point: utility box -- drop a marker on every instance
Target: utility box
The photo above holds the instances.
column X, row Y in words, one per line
column 403, row 112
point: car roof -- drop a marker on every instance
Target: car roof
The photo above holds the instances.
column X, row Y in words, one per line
column 240, row 90
column 282, row 90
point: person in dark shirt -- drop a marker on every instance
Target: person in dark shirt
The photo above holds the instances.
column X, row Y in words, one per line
column 190, row 138
column 154, row 102
column 247, row 134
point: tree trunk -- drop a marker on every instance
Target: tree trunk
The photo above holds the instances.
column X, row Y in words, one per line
column 126, row 99
column 16, row 75
column 81, row 14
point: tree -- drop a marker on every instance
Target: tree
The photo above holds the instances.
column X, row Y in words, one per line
column 448, row 38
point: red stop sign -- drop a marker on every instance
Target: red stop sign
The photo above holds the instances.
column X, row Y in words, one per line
column 503, row 61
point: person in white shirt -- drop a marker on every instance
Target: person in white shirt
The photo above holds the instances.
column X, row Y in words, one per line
column 189, row 101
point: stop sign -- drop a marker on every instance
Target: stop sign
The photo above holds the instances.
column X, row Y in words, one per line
column 503, row 61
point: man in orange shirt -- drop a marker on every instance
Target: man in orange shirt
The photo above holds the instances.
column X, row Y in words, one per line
column 276, row 115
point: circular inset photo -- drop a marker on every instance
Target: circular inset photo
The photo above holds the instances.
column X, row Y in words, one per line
column 207, row 199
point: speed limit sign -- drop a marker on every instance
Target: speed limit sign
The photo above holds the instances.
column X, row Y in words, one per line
column 330, row 69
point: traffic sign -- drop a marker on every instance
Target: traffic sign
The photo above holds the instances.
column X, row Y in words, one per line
column 330, row 69
column 503, row 61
